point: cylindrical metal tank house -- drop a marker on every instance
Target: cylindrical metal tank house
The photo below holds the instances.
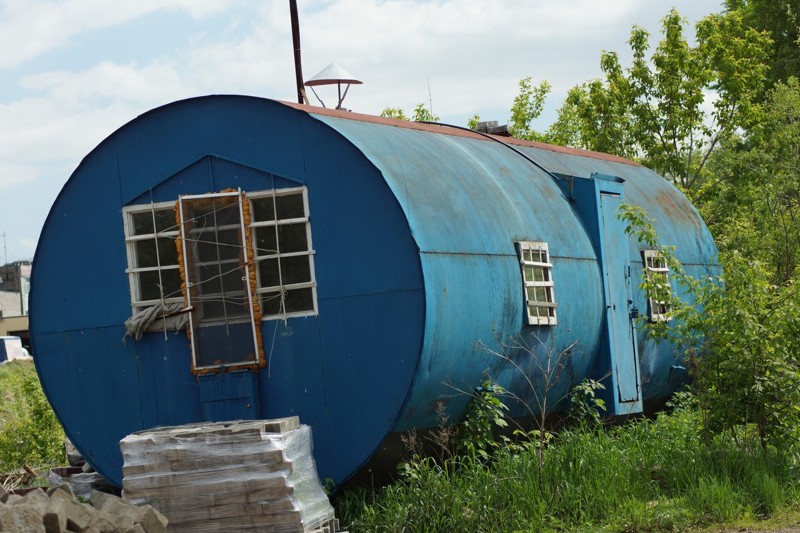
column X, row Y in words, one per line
column 274, row 260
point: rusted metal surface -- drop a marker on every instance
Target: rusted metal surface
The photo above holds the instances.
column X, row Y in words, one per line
column 445, row 130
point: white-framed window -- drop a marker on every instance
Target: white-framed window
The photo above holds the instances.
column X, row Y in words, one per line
column 284, row 254
column 153, row 271
column 537, row 277
column 281, row 248
column 657, row 272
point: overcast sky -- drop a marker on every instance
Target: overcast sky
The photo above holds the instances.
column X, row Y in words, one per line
column 73, row 71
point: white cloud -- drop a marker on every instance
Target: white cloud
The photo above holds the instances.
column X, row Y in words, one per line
column 29, row 28
column 472, row 53
column 110, row 81
column 16, row 174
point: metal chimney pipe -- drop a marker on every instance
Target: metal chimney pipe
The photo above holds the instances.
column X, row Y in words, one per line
column 298, row 67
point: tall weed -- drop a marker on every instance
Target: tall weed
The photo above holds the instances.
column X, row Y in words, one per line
column 647, row 475
column 30, row 433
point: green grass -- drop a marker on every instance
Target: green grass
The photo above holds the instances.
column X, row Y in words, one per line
column 30, row 434
column 648, row 475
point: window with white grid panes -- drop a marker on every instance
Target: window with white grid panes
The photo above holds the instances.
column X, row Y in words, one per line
column 153, row 271
column 283, row 252
column 657, row 271
column 537, row 277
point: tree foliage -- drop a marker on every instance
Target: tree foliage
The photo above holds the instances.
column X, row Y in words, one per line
column 781, row 19
column 657, row 110
column 741, row 338
column 527, row 107
column 753, row 206
column 420, row 114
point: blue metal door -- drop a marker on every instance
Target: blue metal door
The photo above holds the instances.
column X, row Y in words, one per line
column 617, row 277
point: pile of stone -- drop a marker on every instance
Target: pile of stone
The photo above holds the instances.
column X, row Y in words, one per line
column 59, row 511
column 228, row 476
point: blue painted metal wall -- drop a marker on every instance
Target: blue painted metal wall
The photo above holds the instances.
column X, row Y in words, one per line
column 419, row 284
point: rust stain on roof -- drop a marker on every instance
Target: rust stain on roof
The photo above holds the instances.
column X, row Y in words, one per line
column 445, row 130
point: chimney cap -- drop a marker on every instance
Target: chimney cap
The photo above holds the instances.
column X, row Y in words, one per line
column 333, row 74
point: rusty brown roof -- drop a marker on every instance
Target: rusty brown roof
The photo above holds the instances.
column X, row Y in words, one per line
column 446, row 130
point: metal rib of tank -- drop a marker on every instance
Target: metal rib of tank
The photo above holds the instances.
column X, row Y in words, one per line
column 417, row 275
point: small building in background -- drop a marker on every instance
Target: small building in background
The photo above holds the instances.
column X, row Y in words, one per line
column 15, row 286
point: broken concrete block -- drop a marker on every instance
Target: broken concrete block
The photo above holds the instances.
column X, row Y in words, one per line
column 63, row 488
column 99, row 499
column 107, row 523
column 11, row 498
column 55, row 517
column 109, row 503
column 22, row 519
column 79, row 516
column 121, row 521
column 36, row 498
column 151, row 520
column 59, row 511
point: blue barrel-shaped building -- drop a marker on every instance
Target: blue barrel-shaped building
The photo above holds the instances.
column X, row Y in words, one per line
column 234, row 257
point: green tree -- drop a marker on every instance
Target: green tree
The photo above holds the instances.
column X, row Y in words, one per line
column 527, row 107
column 656, row 110
column 394, row 112
column 420, row 114
column 423, row 114
column 754, row 205
column 781, row 19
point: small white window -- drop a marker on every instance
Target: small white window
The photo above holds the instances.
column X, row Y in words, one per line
column 283, row 253
column 657, row 272
column 153, row 271
column 537, row 276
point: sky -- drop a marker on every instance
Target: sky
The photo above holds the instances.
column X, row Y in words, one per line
column 74, row 71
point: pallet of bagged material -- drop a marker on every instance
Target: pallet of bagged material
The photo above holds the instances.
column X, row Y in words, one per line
column 203, row 477
column 228, row 476
column 274, row 485
column 201, row 500
column 181, row 460
column 273, row 459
